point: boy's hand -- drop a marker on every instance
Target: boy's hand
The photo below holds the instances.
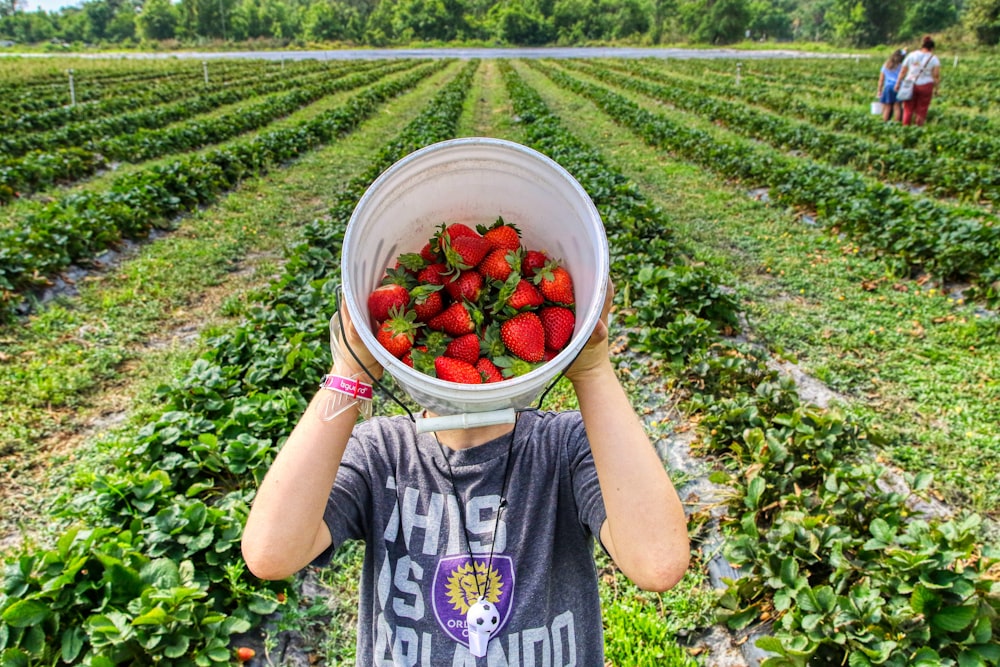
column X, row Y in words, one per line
column 595, row 355
column 345, row 340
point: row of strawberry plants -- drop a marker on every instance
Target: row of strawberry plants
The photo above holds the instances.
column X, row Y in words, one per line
column 933, row 155
column 77, row 134
column 910, row 232
column 840, row 568
column 970, row 181
column 59, row 115
column 848, row 571
column 89, row 87
column 79, row 225
column 39, row 170
column 156, row 576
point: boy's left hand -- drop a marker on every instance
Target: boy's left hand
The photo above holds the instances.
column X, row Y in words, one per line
column 596, row 352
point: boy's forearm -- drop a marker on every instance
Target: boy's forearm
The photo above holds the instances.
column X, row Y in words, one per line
column 285, row 529
column 646, row 526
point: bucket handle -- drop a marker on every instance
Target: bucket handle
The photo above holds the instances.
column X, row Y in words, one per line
column 466, row 420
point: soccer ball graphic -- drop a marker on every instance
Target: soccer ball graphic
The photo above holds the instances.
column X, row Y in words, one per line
column 482, row 620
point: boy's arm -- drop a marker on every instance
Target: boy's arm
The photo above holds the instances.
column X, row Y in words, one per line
column 285, row 530
column 646, row 530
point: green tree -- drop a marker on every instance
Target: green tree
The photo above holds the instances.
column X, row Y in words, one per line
column 158, row 20
column 770, row 18
column 27, row 27
column 927, row 16
column 866, row 22
column 982, row 19
column 517, row 22
column 328, row 20
column 428, row 20
column 715, row 21
column 73, row 25
column 11, row 7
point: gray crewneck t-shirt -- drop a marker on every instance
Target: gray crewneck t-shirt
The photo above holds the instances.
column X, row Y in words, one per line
column 394, row 490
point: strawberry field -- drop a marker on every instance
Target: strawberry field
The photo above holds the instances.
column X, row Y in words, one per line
column 806, row 313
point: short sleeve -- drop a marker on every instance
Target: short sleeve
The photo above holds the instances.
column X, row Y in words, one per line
column 583, row 472
column 349, row 506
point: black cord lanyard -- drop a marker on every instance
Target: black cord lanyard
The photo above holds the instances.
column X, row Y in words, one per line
column 500, row 508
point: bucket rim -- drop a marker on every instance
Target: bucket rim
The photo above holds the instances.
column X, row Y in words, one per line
column 549, row 371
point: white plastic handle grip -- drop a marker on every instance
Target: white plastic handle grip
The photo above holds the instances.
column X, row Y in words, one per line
column 466, row 420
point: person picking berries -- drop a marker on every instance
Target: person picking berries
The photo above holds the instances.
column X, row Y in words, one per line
column 479, row 543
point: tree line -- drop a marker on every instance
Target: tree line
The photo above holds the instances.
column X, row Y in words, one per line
column 859, row 23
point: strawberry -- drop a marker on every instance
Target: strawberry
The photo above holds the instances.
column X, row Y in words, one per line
column 245, row 653
column 466, row 285
column 464, row 347
column 465, row 252
column 488, row 370
column 453, row 231
column 525, row 295
column 455, row 320
column 386, row 297
column 498, row 264
column 427, row 301
column 556, row 284
column 429, row 253
column 532, row 262
column 524, row 336
column 398, row 332
column 433, row 274
column 501, row 235
column 456, row 370
column 558, row 323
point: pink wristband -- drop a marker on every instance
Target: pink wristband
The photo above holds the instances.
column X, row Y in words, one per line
column 352, row 388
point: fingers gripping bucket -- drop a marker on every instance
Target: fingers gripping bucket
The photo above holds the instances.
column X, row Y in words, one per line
column 474, row 180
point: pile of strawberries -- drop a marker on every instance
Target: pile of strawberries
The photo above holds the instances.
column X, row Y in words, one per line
column 474, row 306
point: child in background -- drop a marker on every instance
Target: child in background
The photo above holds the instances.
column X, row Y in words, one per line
column 886, row 92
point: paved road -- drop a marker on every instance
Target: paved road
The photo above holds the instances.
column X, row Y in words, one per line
column 381, row 54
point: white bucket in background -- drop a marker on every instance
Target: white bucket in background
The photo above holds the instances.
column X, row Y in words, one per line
column 473, row 181
column 876, row 108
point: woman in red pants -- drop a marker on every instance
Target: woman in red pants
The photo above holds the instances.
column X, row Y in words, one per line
column 924, row 68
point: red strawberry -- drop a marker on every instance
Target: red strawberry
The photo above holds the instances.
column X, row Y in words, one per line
column 427, row 301
column 453, row 231
column 488, row 370
column 525, row 295
column 464, row 347
column 558, row 323
column 456, row 370
column 502, row 235
column 466, row 285
column 532, row 262
column 398, row 332
column 556, row 284
column 429, row 253
column 385, row 298
column 465, row 252
column 433, row 274
column 498, row 264
column 455, row 320
column 524, row 336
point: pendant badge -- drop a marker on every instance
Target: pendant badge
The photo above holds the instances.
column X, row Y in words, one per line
column 482, row 620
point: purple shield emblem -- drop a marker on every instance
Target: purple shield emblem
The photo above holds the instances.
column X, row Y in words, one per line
column 456, row 587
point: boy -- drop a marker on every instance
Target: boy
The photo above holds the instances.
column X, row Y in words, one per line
column 479, row 542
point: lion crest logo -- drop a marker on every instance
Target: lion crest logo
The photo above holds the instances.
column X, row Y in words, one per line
column 457, row 585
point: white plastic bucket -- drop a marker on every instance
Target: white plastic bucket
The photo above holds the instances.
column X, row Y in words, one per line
column 876, row 108
column 473, row 180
